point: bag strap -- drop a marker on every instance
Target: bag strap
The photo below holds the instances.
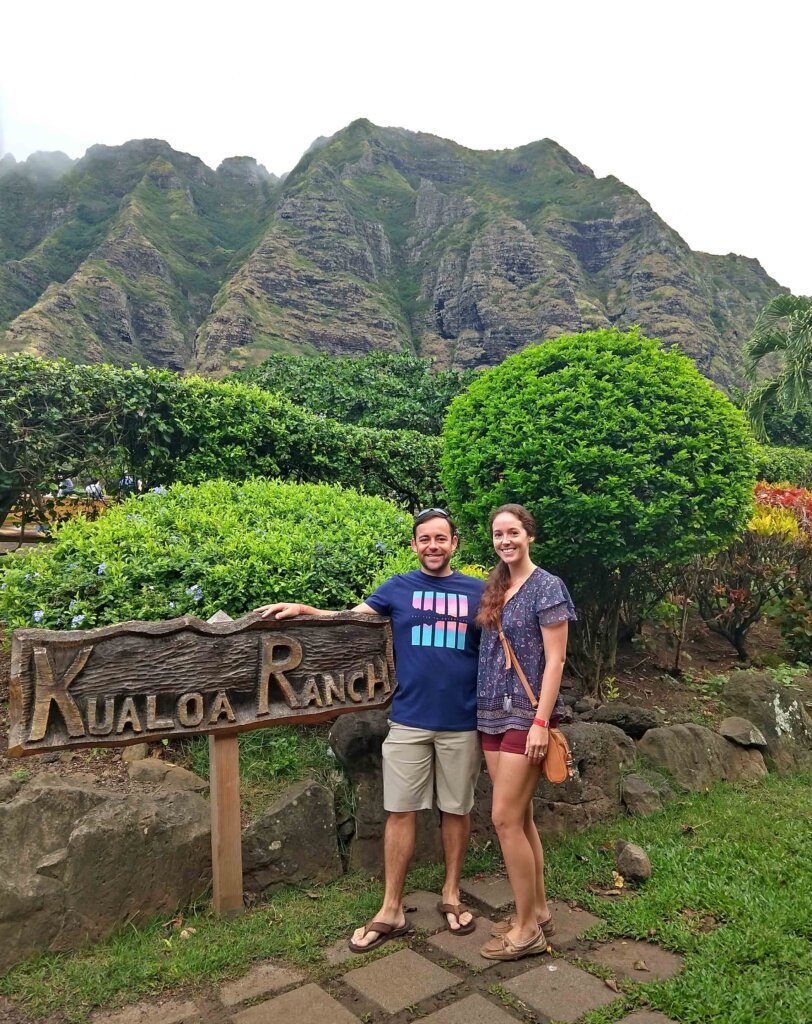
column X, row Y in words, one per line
column 511, row 661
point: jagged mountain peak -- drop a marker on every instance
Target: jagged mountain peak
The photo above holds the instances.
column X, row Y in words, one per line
column 379, row 238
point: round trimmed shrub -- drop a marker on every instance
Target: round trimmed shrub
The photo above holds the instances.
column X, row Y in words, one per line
column 624, row 453
column 197, row 548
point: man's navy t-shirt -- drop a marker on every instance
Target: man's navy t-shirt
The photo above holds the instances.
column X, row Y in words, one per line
column 436, row 646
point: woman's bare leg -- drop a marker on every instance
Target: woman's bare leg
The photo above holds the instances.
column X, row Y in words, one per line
column 514, row 781
column 530, row 830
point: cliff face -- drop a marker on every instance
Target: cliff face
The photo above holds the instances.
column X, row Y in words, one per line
column 142, row 238
column 379, row 239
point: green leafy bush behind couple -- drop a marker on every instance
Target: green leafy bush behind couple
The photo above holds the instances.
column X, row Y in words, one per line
column 627, row 457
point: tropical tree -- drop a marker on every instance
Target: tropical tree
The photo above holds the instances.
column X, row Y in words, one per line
column 783, row 328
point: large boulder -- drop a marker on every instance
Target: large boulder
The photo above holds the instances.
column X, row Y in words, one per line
column 357, row 741
column 634, row 721
column 366, row 847
column 739, row 730
column 77, row 861
column 778, row 710
column 293, row 842
column 696, row 758
column 639, row 796
column 599, row 753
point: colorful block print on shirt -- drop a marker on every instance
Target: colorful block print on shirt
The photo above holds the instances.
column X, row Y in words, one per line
column 444, row 629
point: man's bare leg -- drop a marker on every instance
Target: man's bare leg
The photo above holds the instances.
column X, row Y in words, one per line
column 398, row 847
column 456, row 830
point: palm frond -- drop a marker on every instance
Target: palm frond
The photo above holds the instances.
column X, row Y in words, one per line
column 760, row 345
column 757, row 402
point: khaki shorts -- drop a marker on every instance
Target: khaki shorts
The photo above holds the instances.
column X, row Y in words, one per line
column 414, row 760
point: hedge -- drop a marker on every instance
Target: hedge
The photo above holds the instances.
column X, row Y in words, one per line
column 160, row 427
column 199, row 548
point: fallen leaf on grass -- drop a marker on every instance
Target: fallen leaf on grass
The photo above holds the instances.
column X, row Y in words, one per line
column 618, row 879
column 652, row 931
column 611, row 983
column 603, row 890
column 315, row 895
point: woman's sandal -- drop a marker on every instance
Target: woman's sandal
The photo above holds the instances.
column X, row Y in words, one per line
column 457, row 910
column 503, row 927
column 501, row 947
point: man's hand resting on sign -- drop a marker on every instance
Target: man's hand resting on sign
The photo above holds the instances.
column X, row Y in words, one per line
column 290, row 609
column 281, row 610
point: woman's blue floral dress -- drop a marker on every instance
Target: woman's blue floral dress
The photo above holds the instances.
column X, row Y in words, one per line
column 502, row 704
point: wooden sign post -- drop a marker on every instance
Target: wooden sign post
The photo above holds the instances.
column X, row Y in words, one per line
column 142, row 681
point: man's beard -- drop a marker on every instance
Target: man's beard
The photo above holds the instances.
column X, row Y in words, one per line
column 433, row 570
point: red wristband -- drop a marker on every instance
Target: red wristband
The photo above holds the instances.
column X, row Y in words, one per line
column 542, row 722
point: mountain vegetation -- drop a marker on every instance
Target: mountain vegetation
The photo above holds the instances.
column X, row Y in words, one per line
column 380, row 239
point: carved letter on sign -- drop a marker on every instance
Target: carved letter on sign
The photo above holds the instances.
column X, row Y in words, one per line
column 145, row 680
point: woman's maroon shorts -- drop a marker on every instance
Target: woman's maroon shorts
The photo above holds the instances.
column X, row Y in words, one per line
column 513, row 741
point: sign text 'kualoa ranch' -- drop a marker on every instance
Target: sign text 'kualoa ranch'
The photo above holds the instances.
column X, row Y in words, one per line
column 140, row 681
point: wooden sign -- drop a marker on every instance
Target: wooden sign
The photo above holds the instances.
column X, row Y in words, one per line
column 142, row 681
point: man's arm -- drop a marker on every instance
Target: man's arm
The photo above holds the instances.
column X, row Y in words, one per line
column 289, row 610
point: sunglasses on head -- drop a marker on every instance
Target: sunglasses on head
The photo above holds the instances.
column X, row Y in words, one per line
column 429, row 513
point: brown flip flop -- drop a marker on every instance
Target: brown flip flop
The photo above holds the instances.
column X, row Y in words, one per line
column 457, row 909
column 385, row 933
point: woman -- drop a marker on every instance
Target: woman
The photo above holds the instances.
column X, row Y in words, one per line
column 533, row 610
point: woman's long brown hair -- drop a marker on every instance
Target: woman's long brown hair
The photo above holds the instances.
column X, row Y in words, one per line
column 493, row 597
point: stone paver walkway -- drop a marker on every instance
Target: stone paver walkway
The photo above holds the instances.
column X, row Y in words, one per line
column 431, row 974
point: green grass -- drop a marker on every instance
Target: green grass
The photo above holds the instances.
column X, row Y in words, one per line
column 737, row 857
column 271, row 759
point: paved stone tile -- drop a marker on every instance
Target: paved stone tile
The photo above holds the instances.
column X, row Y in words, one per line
column 259, row 981
column 559, row 991
column 395, row 982
column 647, row 1017
column 621, row 955
column 492, row 890
column 471, row 1010
column 425, row 917
column 174, row 1011
column 308, row 1003
column 569, row 924
column 339, row 952
column 466, row 947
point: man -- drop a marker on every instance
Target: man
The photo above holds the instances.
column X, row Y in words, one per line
column 432, row 742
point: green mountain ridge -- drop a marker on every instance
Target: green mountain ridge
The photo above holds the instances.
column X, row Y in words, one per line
column 379, row 239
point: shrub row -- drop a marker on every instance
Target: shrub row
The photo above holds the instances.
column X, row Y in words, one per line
column 393, row 391
column 196, row 549
column 160, row 428
column 779, row 465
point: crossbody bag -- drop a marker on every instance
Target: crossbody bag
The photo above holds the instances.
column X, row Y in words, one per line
column 557, row 764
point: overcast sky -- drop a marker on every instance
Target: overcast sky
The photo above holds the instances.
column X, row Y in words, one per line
column 703, row 107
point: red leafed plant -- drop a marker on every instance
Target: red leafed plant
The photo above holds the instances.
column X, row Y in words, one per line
column 768, row 563
column 798, row 500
